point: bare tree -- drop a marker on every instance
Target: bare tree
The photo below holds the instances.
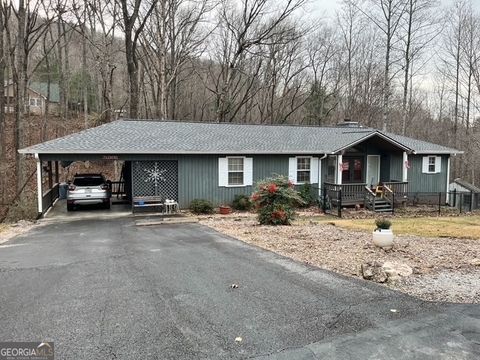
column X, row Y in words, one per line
column 134, row 20
column 387, row 15
column 171, row 39
column 323, row 53
column 242, row 30
column 419, row 31
column 29, row 31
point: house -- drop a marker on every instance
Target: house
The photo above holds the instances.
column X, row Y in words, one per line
column 464, row 195
column 216, row 161
column 37, row 93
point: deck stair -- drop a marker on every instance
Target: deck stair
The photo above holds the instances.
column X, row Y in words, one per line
column 378, row 201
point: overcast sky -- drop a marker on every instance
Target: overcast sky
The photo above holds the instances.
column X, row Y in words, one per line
column 328, row 7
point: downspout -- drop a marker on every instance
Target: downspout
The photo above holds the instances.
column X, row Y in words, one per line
column 447, row 195
column 320, row 174
column 338, row 178
column 39, row 185
column 404, row 167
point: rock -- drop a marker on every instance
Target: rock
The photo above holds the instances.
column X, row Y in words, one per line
column 396, row 270
column 373, row 271
column 475, row 262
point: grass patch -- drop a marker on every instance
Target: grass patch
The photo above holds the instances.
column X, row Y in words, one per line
column 462, row 227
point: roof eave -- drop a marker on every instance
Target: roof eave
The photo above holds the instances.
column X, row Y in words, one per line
column 116, row 152
column 439, row 152
column 373, row 133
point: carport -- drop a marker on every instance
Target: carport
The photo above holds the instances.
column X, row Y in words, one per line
column 150, row 169
column 48, row 177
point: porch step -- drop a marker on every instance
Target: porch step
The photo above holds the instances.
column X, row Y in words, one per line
column 380, row 206
column 384, row 210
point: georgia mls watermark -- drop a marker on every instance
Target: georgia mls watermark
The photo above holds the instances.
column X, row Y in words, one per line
column 26, row 350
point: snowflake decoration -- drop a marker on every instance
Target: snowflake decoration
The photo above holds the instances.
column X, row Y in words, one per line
column 155, row 175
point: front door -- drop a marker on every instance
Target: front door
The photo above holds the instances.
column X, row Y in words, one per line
column 352, row 170
column 373, row 170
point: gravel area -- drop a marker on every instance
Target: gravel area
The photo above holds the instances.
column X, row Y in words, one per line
column 8, row 231
column 444, row 269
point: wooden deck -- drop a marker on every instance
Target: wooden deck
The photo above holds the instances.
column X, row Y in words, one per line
column 355, row 194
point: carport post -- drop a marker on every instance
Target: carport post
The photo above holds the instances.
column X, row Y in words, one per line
column 50, row 175
column 56, row 172
column 39, row 184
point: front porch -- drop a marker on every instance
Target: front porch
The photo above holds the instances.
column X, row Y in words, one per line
column 360, row 194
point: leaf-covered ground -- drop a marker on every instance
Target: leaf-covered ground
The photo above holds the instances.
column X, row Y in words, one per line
column 343, row 250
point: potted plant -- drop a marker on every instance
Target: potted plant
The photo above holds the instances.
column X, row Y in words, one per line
column 225, row 209
column 382, row 235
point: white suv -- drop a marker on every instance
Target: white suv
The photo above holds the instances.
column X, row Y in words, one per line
column 88, row 189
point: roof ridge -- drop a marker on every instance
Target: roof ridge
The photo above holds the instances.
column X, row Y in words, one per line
column 212, row 122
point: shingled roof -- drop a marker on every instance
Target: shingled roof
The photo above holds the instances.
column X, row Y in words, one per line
column 172, row 137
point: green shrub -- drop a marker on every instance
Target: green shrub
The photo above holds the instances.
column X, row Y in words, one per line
column 242, row 202
column 306, row 192
column 274, row 200
column 201, row 206
column 383, row 224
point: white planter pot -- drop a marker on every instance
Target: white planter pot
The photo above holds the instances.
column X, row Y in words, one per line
column 383, row 238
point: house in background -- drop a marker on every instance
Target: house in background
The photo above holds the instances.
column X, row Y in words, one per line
column 216, row 161
column 37, row 98
column 464, row 195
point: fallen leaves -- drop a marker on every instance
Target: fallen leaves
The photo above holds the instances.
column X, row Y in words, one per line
column 343, row 251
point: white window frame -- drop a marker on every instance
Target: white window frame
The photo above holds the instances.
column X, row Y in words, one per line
column 314, row 169
column 430, row 158
column 243, row 171
column 223, row 171
column 437, row 165
column 309, row 170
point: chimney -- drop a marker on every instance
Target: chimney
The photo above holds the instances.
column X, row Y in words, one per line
column 348, row 123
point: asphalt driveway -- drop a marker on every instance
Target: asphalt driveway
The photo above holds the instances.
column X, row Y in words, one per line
column 112, row 290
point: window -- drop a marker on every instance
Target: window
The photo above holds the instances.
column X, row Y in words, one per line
column 32, row 102
column 352, row 170
column 235, row 171
column 39, row 102
column 431, row 163
column 303, row 170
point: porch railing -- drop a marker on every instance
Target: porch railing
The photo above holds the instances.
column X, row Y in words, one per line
column 398, row 187
column 118, row 189
column 351, row 193
column 49, row 197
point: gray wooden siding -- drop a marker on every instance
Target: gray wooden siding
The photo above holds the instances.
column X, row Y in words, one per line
column 420, row 182
column 198, row 174
column 396, row 167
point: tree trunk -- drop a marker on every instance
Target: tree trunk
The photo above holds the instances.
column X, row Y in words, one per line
column 84, row 70
column 20, row 91
column 407, row 67
column 2, row 108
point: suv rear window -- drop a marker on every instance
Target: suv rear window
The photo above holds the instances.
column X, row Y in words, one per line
column 88, row 181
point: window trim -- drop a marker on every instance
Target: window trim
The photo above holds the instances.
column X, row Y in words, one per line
column 426, row 164
column 243, row 171
column 434, row 171
column 309, row 170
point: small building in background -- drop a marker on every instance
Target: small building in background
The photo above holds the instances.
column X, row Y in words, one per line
column 464, row 195
column 37, row 95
